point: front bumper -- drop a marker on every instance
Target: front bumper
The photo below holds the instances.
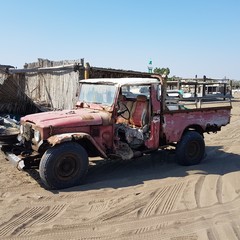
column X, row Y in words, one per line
column 20, row 156
column 15, row 160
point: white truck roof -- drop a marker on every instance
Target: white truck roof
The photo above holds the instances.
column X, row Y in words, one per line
column 121, row 81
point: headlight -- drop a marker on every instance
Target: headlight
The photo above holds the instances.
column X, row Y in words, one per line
column 37, row 135
column 21, row 129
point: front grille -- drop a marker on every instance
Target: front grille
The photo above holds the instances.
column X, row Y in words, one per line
column 28, row 132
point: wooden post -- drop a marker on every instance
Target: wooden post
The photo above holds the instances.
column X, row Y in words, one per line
column 195, row 89
column 224, row 90
column 179, row 84
column 231, row 83
column 86, row 70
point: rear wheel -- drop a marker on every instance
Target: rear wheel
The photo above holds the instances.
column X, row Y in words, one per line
column 63, row 166
column 191, row 149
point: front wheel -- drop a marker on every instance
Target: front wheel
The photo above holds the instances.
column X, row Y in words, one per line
column 63, row 166
column 191, row 149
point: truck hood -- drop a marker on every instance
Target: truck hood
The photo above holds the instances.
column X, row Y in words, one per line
column 67, row 118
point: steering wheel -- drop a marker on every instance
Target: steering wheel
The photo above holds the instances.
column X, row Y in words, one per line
column 122, row 109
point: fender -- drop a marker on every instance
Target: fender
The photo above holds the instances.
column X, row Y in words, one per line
column 67, row 137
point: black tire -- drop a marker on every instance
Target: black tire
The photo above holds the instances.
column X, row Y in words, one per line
column 191, row 149
column 63, row 166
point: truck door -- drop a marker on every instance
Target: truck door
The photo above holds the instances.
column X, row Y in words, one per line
column 155, row 118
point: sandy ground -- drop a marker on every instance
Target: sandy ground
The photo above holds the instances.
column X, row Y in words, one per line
column 147, row 198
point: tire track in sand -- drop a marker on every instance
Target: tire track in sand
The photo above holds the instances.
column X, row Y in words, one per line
column 18, row 224
column 162, row 203
column 187, row 227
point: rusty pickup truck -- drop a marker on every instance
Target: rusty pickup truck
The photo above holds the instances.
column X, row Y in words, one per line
column 116, row 118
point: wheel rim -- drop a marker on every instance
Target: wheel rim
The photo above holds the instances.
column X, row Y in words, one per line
column 67, row 167
column 194, row 150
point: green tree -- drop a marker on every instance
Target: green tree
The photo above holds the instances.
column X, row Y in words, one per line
column 165, row 71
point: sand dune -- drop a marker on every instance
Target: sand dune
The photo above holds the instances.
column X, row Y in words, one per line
column 147, row 198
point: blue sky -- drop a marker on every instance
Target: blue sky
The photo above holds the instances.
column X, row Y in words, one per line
column 191, row 37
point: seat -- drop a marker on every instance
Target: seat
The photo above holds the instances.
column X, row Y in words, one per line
column 139, row 113
column 125, row 117
column 133, row 131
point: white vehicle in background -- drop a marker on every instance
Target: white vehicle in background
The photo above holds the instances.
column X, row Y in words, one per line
column 234, row 91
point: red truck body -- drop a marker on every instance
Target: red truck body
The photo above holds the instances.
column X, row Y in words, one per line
column 116, row 118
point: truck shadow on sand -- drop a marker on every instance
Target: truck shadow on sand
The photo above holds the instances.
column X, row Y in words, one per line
column 156, row 166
